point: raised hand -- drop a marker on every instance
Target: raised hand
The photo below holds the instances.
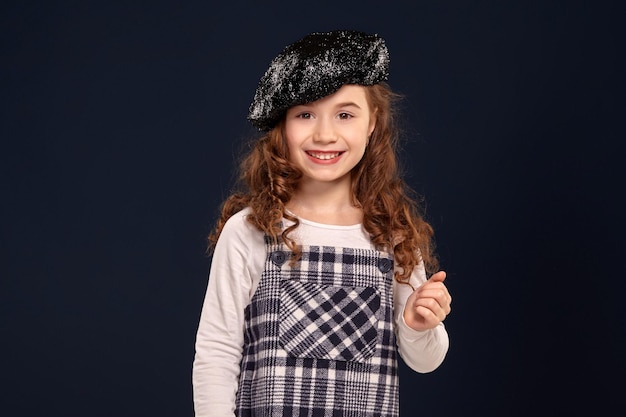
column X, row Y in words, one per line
column 429, row 304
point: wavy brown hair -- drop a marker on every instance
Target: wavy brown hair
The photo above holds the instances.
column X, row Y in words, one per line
column 391, row 214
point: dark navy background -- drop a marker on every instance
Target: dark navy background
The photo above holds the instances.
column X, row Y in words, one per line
column 120, row 125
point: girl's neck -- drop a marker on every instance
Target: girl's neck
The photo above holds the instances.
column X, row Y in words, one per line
column 325, row 204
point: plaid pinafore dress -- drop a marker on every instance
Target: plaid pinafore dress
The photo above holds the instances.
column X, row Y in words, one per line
column 319, row 337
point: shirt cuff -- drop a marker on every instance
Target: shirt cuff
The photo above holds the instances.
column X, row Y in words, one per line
column 408, row 333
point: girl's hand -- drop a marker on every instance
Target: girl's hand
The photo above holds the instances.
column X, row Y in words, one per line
column 429, row 304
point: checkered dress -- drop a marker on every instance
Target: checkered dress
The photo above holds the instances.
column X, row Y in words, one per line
column 319, row 337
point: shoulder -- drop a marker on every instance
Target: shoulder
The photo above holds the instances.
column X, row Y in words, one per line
column 239, row 231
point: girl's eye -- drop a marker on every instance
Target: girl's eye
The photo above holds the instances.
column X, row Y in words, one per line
column 344, row 116
column 304, row 115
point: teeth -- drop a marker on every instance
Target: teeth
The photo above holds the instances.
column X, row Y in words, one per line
column 324, row 156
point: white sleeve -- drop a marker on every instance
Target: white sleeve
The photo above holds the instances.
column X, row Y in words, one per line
column 219, row 340
column 422, row 351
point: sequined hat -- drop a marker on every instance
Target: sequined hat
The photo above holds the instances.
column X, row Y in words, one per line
column 314, row 67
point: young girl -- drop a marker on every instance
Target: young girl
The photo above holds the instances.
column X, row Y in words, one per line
column 318, row 275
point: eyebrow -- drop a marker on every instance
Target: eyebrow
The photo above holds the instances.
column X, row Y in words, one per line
column 348, row 104
column 337, row 106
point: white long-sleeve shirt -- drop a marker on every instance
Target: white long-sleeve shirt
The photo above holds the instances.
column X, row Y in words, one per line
column 236, row 267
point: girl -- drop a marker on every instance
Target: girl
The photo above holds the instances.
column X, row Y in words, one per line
column 319, row 264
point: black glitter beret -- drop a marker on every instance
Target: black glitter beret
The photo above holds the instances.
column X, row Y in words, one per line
column 315, row 67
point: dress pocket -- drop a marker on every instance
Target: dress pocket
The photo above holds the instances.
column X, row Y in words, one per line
column 326, row 322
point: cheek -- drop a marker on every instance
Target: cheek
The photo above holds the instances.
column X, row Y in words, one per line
column 363, row 139
column 291, row 135
column 362, row 152
column 372, row 126
column 359, row 147
column 295, row 136
column 290, row 146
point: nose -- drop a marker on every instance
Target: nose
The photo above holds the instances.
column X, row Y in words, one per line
column 324, row 131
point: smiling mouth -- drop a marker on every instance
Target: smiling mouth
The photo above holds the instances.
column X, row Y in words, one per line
column 324, row 155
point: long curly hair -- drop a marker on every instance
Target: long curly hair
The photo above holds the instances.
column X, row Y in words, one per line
column 391, row 214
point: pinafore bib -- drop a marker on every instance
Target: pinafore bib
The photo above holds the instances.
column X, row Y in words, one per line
column 319, row 339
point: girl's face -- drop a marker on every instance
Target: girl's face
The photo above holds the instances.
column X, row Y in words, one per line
column 327, row 138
